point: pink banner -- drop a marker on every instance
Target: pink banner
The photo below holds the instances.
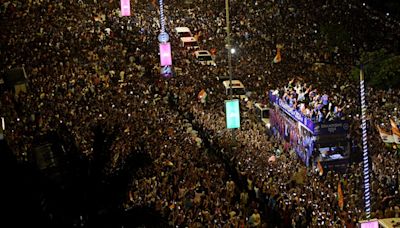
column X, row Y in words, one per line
column 165, row 54
column 125, row 7
column 372, row 224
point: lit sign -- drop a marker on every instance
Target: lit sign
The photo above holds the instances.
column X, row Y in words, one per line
column 232, row 111
column 125, row 7
column 165, row 54
column 370, row 224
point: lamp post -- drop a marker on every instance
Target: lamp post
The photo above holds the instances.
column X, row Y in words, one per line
column 367, row 191
column 228, row 39
column 165, row 47
column 229, row 49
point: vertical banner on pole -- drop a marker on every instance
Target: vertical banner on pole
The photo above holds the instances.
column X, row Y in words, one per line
column 125, row 7
column 165, row 54
column 369, row 224
column 232, row 114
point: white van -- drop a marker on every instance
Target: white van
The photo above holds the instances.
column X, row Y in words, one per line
column 189, row 43
column 204, row 58
column 238, row 89
column 262, row 112
column 183, row 32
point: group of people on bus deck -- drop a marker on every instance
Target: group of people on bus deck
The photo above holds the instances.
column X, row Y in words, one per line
column 306, row 99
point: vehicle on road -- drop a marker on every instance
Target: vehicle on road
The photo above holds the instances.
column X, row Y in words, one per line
column 183, row 32
column 189, row 43
column 238, row 89
column 204, row 58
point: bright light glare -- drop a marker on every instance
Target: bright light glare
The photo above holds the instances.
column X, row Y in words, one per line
column 233, row 50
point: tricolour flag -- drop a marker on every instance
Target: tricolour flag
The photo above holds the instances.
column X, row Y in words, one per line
column 386, row 137
column 202, row 96
column 278, row 57
column 395, row 131
column 340, row 196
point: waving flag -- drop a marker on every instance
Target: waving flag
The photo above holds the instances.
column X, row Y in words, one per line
column 320, row 168
column 395, row 131
column 278, row 57
column 386, row 137
column 340, row 196
column 202, row 96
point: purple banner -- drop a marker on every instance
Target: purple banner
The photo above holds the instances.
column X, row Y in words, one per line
column 165, row 54
column 125, row 7
column 292, row 112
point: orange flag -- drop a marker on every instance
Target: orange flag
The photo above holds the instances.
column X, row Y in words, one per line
column 386, row 137
column 395, row 129
column 278, row 57
column 202, row 94
column 320, row 168
column 340, row 196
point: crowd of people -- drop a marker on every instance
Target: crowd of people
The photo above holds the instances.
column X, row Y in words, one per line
column 88, row 66
column 305, row 99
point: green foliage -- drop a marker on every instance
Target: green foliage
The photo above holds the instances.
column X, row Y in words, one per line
column 336, row 35
column 381, row 69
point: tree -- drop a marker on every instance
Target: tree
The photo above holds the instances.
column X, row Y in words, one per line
column 336, row 36
column 381, row 69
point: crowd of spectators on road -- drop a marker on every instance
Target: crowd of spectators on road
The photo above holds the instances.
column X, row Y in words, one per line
column 87, row 66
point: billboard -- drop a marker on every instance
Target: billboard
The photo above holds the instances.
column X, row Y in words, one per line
column 125, row 7
column 232, row 111
column 165, row 54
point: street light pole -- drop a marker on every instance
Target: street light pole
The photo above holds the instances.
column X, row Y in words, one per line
column 229, row 47
column 228, row 39
column 367, row 196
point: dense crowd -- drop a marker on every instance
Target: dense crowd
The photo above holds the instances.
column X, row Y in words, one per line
column 88, row 66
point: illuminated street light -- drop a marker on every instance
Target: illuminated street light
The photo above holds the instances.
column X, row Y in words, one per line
column 233, row 50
